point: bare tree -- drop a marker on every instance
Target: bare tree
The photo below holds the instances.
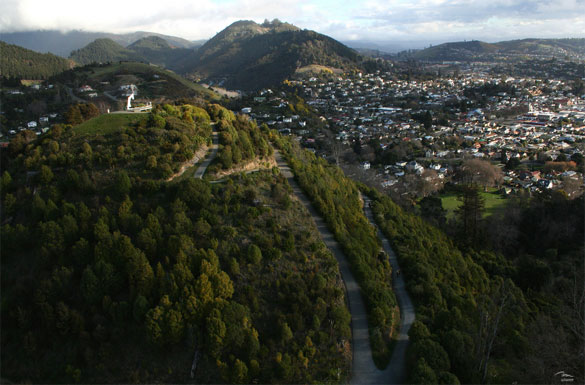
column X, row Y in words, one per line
column 477, row 171
column 493, row 308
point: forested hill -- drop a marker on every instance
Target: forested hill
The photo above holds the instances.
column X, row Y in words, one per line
column 158, row 51
column 111, row 274
column 151, row 49
column 62, row 43
column 22, row 63
column 247, row 55
column 479, row 50
column 104, row 51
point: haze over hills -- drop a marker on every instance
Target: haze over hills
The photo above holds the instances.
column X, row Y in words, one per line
column 62, row 43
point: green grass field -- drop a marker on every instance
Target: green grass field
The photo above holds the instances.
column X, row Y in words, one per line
column 493, row 202
column 108, row 123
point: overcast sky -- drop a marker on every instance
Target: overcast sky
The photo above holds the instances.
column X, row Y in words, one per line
column 377, row 20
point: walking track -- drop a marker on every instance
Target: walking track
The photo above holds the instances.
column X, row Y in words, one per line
column 214, row 147
column 397, row 366
column 364, row 370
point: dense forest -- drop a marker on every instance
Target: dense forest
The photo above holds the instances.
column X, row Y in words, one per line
column 483, row 316
column 247, row 55
column 151, row 49
column 104, row 51
column 106, row 267
column 240, row 140
column 18, row 62
column 337, row 199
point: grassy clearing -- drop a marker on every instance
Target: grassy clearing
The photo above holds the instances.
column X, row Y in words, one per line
column 108, row 123
column 316, row 68
column 494, row 202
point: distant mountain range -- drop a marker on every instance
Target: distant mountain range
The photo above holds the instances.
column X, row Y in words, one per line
column 248, row 56
column 151, row 49
column 245, row 55
column 62, row 43
column 478, row 50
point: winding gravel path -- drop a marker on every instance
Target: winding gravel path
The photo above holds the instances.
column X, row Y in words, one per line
column 364, row 370
column 397, row 366
column 214, row 147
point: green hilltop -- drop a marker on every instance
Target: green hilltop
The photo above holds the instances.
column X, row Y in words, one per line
column 158, row 51
column 104, row 51
column 247, row 55
column 22, row 63
column 153, row 82
column 111, row 273
column 479, row 50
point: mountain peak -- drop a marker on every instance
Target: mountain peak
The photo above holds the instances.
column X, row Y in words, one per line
column 247, row 55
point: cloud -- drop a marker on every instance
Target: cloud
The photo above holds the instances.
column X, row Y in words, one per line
column 532, row 17
column 192, row 19
column 370, row 19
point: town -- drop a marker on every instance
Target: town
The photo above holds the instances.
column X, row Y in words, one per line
column 409, row 133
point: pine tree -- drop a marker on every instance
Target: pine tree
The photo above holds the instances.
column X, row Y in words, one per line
column 470, row 214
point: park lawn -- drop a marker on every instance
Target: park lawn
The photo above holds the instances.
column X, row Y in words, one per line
column 108, row 123
column 494, row 202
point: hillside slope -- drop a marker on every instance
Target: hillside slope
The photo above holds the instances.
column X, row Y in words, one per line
column 247, row 55
column 20, row 62
column 111, row 275
column 104, row 51
column 158, row 51
column 154, row 83
column 478, row 50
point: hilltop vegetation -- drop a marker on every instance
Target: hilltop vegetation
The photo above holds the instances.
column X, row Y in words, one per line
column 478, row 50
column 482, row 316
column 240, row 140
column 151, row 49
column 104, row 51
column 18, row 62
column 455, row 51
column 337, row 199
column 105, row 267
column 250, row 56
column 158, row 51
column 152, row 82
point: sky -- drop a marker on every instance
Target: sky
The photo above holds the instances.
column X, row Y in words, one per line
column 350, row 20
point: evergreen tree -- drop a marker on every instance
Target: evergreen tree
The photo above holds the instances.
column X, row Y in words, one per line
column 470, row 214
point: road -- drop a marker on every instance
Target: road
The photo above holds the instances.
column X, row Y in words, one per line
column 364, row 370
column 110, row 96
column 397, row 366
column 72, row 96
column 214, row 147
